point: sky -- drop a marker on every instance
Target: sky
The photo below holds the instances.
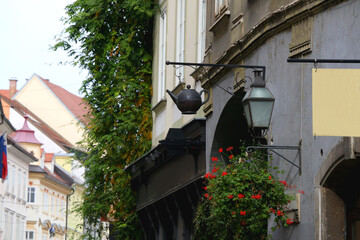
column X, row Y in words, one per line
column 27, row 30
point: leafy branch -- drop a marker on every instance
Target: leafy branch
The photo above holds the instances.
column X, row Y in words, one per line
column 113, row 41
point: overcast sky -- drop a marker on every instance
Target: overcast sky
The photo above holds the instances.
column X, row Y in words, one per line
column 27, row 29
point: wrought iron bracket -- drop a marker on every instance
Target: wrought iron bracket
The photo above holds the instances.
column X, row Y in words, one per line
column 263, row 68
column 306, row 60
column 272, row 148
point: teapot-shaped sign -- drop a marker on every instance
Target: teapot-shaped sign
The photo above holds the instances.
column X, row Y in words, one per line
column 188, row 101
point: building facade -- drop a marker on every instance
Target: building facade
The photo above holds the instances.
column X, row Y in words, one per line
column 52, row 149
column 13, row 189
column 267, row 33
column 168, row 179
column 253, row 33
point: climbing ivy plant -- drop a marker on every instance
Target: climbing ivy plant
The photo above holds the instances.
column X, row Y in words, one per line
column 112, row 39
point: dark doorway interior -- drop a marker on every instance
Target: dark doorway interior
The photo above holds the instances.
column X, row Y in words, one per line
column 344, row 181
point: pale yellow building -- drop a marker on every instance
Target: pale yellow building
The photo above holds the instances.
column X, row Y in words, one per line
column 180, row 25
column 58, row 108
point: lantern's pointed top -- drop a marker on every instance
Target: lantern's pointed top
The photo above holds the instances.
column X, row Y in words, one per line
column 259, row 81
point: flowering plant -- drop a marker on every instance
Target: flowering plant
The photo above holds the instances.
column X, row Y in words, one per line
column 240, row 196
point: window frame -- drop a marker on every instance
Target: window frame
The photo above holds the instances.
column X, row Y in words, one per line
column 220, row 7
column 162, row 54
column 201, row 31
column 180, row 39
column 27, row 234
column 29, row 196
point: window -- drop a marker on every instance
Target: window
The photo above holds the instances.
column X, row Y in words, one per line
column 19, row 184
column 29, row 235
column 13, row 179
column 202, row 31
column 52, row 206
column 45, row 201
column 31, row 195
column 23, row 189
column 57, row 207
column 162, row 55
column 8, row 225
column 180, row 39
column 7, row 181
column 62, row 207
column 220, row 5
column 20, row 227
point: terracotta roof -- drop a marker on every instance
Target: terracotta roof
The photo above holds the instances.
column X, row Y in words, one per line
column 49, row 157
column 74, row 103
column 36, row 121
column 56, row 178
column 5, row 93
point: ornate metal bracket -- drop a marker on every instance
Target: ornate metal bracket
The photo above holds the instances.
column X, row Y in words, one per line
column 272, row 148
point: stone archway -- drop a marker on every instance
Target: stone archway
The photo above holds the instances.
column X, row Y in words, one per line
column 231, row 128
column 337, row 200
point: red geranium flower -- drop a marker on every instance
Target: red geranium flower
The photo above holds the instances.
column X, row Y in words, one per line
column 230, row 196
column 224, row 173
column 269, row 177
column 231, row 156
column 220, row 150
column 206, row 195
column 280, row 213
column 214, row 159
column 241, row 195
column 242, row 213
column 257, row 196
column 289, row 221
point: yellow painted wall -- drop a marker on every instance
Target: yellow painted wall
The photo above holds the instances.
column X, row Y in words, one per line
column 34, row 149
column 74, row 220
column 51, row 111
column 336, row 100
column 64, row 162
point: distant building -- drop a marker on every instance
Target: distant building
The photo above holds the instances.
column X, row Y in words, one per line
column 13, row 190
column 54, row 153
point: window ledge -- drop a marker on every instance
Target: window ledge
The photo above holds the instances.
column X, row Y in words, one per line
column 178, row 88
column 220, row 22
column 159, row 106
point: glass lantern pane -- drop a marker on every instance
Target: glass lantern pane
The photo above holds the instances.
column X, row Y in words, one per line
column 259, row 92
column 247, row 113
column 261, row 113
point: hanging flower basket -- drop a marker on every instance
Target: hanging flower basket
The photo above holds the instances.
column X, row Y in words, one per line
column 240, row 196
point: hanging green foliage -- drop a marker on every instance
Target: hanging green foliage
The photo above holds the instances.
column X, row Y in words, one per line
column 112, row 39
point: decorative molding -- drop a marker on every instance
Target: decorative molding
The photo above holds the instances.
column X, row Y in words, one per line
column 237, row 20
column 160, row 106
column 301, row 33
column 220, row 22
column 208, row 106
column 279, row 20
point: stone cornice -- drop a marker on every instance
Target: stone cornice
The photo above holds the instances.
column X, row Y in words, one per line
column 270, row 25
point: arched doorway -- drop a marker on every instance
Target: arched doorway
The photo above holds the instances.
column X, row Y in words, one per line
column 231, row 129
column 344, row 181
column 339, row 197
